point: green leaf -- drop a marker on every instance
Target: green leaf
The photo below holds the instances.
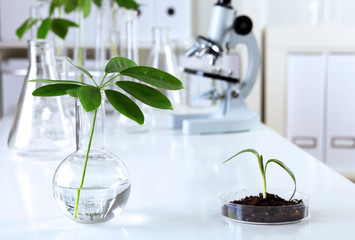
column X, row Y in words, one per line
column 98, row 3
column 52, row 8
column 86, row 8
column 129, row 4
column 25, row 27
column 60, row 26
column 73, row 92
column 54, row 5
column 56, row 81
column 118, row 64
column 53, row 90
column 153, row 77
column 44, row 28
column 125, row 106
column 287, row 169
column 81, row 69
column 146, row 94
column 260, row 159
column 70, row 5
column 90, row 97
column 244, row 151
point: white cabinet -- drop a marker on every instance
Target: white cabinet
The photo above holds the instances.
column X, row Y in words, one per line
column 305, row 102
column 320, row 116
column 340, row 148
column 310, row 91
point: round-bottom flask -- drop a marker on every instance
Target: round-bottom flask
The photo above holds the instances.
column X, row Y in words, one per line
column 105, row 185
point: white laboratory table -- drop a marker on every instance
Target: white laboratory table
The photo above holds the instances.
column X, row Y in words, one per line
column 176, row 182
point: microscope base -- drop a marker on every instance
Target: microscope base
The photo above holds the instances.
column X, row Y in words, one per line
column 221, row 125
column 237, row 118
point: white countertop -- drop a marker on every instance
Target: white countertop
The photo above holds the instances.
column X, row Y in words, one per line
column 176, row 181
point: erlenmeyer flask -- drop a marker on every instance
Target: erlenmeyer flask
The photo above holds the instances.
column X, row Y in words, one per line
column 163, row 57
column 40, row 130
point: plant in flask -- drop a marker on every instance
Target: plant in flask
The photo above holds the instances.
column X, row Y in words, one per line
column 92, row 185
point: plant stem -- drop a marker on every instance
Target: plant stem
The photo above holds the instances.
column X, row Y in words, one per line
column 263, row 173
column 103, row 79
column 85, row 165
column 109, row 85
column 104, row 85
column 264, row 179
column 59, row 41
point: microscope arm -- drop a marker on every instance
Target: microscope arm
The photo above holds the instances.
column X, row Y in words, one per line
column 253, row 60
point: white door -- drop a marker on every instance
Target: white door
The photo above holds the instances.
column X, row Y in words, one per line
column 341, row 112
column 305, row 102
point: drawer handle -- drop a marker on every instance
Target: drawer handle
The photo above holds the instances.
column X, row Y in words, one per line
column 343, row 142
column 305, row 142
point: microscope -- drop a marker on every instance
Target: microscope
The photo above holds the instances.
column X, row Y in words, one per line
column 226, row 31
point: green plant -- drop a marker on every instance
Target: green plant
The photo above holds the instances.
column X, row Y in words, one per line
column 264, row 167
column 128, row 4
column 59, row 26
column 90, row 95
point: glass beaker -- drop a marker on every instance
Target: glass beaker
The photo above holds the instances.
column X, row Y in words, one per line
column 40, row 129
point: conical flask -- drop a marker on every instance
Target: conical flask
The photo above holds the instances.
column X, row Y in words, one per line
column 163, row 57
column 41, row 129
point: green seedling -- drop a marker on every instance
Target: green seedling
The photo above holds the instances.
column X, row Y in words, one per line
column 264, row 167
column 90, row 95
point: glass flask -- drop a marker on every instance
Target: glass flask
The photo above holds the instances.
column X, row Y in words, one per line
column 115, row 29
column 106, row 185
column 41, row 129
column 129, row 35
column 79, row 51
column 101, row 36
column 130, row 50
column 62, row 68
column 163, row 57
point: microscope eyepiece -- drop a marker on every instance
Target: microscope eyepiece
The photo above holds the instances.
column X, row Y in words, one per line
column 224, row 3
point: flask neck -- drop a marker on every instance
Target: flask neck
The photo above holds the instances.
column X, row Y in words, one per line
column 160, row 37
column 84, row 127
column 40, row 51
column 41, row 60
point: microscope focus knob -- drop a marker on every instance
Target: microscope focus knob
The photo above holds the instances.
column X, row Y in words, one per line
column 242, row 25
